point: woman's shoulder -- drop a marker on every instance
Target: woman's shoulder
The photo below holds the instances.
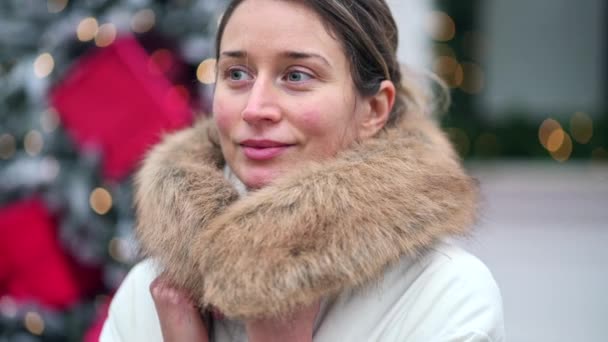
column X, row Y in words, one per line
column 457, row 294
column 449, row 294
column 132, row 315
column 450, row 264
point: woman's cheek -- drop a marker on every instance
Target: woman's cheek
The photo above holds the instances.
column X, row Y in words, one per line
column 223, row 117
column 312, row 122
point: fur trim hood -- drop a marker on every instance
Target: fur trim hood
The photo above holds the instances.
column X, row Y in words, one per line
column 322, row 229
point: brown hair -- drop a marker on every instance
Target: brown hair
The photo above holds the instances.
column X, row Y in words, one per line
column 368, row 34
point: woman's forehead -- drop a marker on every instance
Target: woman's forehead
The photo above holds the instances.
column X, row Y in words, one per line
column 278, row 26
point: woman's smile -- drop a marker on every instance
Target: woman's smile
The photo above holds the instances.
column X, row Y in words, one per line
column 263, row 149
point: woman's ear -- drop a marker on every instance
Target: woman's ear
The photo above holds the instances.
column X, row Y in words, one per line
column 380, row 106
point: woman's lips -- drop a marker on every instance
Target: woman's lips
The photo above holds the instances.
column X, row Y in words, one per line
column 263, row 149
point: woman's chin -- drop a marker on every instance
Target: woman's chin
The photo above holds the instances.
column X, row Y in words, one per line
column 256, row 178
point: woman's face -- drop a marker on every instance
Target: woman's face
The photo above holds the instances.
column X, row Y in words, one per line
column 284, row 93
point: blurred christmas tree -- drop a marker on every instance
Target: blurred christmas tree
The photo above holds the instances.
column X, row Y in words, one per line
column 85, row 88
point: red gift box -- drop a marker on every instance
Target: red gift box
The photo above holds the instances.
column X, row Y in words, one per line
column 33, row 266
column 113, row 101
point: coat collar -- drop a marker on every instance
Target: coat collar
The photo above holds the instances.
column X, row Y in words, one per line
column 317, row 231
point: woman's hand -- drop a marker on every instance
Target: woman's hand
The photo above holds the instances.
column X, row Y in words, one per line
column 298, row 327
column 179, row 317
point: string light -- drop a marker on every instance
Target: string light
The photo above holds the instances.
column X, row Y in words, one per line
column 100, row 201
column 44, row 65
column 34, row 323
column 143, row 21
column 33, row 142
column 117, row 249
column 56, row 6
column 105, row 35
column 440, row 26
column 7, row 146
column 556, row 140
column 545, row 130
column 87, row 29
column 205, row 72
column 581, row 127
column 49, row 120
column 449, row 70
column 564, row 151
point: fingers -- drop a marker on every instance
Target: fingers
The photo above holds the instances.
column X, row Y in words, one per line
column 179, row 318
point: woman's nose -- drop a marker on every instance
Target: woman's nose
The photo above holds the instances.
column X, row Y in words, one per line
column 262, row 103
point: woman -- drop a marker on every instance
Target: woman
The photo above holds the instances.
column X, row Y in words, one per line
column 350, row 192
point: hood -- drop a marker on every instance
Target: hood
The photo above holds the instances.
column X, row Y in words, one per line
column 318, row 230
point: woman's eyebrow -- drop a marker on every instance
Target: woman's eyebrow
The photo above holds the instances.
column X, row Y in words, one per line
column 287, row 54
column 305, row 55
column 235, row 54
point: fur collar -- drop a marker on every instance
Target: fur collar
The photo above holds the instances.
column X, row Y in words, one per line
column 319, row 230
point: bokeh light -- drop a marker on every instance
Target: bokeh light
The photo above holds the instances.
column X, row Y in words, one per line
column 7, row 146
column 44, row 65
column 143, row 21
column 564, row 151
column 449, row 70
column 105, row 35
column 581, row 127
column 87, row 29
column 56, row 6
column 556, row 140
column 34, row 323
column 49, row 120
column 205, row 72
column 33, row 143
column 440, row 26
column 116, row 249
column 546, row 129
column 100, row 201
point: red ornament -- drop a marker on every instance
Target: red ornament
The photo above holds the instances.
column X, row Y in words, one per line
column 114, row 101
column 33, row 266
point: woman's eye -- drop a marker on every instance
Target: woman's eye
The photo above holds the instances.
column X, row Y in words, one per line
column 297, row 76
column 238, row 75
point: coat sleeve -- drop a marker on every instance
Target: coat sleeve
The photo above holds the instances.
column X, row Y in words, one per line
column 132, row 315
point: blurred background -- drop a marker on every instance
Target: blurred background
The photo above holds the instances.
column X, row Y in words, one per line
column 86, row 86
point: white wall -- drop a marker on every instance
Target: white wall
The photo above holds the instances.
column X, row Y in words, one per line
column 545, row 56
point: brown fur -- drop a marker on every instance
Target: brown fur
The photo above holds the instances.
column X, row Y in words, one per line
column 319, row 230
